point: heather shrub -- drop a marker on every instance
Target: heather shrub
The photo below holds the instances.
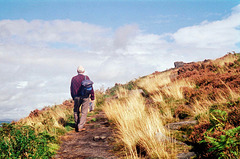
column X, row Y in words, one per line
column 183, row 111
column 223, row 138
column 220, row 137
column 234, row 116
column 226, row 145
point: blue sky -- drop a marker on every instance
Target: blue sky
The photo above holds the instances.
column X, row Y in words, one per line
column 43, row 42
column 153, row 16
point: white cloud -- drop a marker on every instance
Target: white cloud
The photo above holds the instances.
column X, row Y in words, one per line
column 22, row 84
column 73, row 32
column 124, row 35
column 217, row 34
column 39, row 58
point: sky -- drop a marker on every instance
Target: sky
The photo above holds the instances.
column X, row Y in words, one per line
column 43, row 42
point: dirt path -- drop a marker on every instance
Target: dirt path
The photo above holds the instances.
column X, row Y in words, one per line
column 93, row 143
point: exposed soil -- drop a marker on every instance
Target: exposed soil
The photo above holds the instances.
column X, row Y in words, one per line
column 93, row 143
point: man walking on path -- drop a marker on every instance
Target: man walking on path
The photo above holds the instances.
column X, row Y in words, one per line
column 79, row 101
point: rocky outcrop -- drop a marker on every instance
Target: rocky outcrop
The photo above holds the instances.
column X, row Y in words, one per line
column 178, row 64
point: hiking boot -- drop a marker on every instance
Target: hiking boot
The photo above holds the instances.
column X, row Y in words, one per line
column 76, row 128
column 83, row 129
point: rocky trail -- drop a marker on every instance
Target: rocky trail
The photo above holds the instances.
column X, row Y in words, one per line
column 93, row 143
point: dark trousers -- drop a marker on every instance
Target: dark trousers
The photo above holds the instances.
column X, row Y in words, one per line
column 83, row 103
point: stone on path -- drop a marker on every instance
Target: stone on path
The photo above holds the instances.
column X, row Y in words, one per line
column 178, row 125
column 188, row 155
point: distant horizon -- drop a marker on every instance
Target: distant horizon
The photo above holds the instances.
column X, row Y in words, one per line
column 7, row 120
column 2, row 121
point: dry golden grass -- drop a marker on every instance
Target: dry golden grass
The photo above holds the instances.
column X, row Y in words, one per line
column 156, row 82
column 122, row 92
column 175, row 89
column 164, row 107
column 157, row 97
column 232, row 94
column 167, row 114
column 48, row 120
column 172, row 90
column 229, row 58
column 152, row 83
column 139, row 127
column 201, row 107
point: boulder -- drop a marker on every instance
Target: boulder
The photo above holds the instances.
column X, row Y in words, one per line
column 178, row 64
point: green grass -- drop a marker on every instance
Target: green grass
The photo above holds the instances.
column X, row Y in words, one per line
column 22, row 142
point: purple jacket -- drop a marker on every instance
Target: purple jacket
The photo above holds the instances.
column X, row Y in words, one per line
column 76, row 84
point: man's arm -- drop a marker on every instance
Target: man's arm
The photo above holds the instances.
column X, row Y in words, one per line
column 72, row 89
column 92, row 95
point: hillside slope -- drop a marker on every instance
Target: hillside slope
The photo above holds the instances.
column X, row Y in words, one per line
column 206, row 92
column 192, row 108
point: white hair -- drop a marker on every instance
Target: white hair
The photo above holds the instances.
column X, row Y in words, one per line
column 80, row 69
